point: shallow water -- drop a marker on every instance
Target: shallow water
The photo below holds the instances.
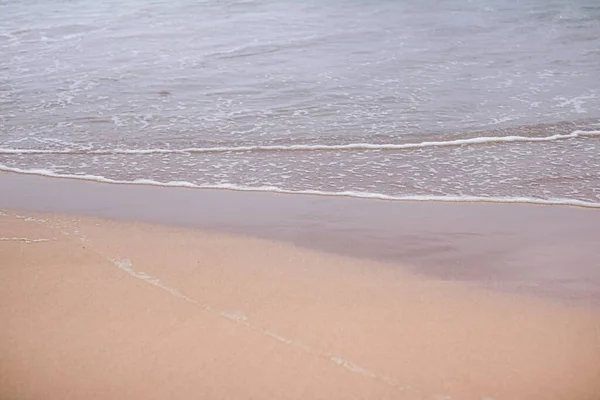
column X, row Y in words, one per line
column 332, row 97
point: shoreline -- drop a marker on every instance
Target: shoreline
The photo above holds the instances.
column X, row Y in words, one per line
column 541, row 250
column 98, row 308
column 563, row 202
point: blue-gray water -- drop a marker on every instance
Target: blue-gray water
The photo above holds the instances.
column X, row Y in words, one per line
column 313, row 96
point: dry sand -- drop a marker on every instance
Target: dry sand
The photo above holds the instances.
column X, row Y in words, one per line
column 95, row 308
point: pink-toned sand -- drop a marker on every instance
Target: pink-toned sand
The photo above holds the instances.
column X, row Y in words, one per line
column 102, row 309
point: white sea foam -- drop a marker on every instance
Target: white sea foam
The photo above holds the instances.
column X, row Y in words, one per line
column 274, row 189
column 312, row 147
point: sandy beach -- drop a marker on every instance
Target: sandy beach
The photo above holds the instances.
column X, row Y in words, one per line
column 269, row 199
column 96, row 308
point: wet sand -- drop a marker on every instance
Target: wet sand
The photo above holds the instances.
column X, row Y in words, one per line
column 97, row 308
column 548, row 251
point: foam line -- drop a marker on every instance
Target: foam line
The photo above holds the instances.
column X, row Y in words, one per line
column 274, row 189
column 309, row 147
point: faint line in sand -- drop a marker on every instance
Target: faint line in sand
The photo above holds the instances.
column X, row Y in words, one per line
column 22, row 239
column 240, row 319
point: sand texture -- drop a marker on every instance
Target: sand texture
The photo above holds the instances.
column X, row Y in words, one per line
column 94, row 308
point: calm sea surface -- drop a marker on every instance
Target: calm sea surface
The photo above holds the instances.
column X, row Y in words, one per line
column 455, row 99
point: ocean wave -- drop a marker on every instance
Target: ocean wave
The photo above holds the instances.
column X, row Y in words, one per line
column 274, row 189
column 309, row 147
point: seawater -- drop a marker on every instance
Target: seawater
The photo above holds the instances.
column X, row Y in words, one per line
column 489, row 100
